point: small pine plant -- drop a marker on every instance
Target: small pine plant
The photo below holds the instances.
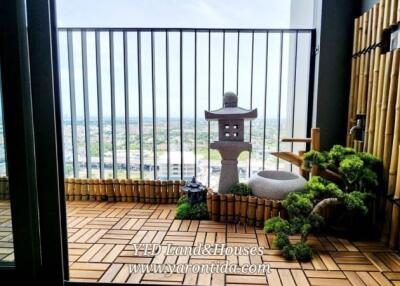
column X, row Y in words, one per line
column 241, row 189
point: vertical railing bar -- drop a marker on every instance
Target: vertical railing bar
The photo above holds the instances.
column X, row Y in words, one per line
column 181, row 99
column 223, row 63
column 294, row 95
column 195, row 103
column 167, row 95
column 265, row 98
column 99, row 105
column 251, row 94
column 153, row 90
column 2, row 124
column 209, row 104
column 139, row 71
column 86, row 103
column 126, row 93
column 280, row 97
column 71, row 70
column 113, row 122
column 237, row 63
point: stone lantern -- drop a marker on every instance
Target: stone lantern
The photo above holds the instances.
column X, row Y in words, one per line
column 195, row 191
column 231, row 138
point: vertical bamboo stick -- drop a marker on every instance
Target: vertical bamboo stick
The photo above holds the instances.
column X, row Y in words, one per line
column 237, row 207
column 275, row 208
column 152, row 194
column 170, row 191
column 215, row 207
column 350, row 115
column 141, row 190
column 164, row 199
column 103, row 190
column 394, row 230
column 222, row 208
column 209, row 202
column 176, row 188
column 260, row 212
column 122, row 189
column 393, row 13
column 243, row 209
column 96, row 190
column 146, row 191
column 136, row 194
column 384, row 103
column 382, row 70
column 77, row 190
column 129, row 190
column 230, row 207
column 267, row 209
column 315, row 145
column 157, row 191
column 390, row 116
column 251, row 210
column 91, row 190
column 110, row 190
column 386, row 17
column 361, row 89
column 116, row 188
column 67, row 187
column 381, row 15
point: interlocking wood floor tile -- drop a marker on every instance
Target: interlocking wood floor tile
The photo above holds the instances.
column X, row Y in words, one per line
column 101, row 237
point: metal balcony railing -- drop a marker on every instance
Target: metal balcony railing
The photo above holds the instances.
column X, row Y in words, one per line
column 134, row 98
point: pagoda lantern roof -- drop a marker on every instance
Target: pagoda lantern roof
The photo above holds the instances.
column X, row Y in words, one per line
column 230, row 110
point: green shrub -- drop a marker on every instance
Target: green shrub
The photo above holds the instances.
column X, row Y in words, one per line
column 183, row 211
column 302, row 252
column 288, row 252
column 199, row 211
column 359, row 177
column 281, row 240
column 241, row 189
column 183, row 199
column 196, row 211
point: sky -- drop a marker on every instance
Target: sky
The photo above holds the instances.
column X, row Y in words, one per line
column 183, row 14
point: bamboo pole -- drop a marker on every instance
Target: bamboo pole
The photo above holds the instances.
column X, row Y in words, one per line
column 382, row 70
column 129, row 190
column 393, row 13
column 243, row 209
column 209, row 203
column 267, row 209
column 103, row 190
column 361, row 85
column 141, row 190
column 260, row 212
column 116, row 188
column 394, row 230
column 275, row 208
column 237, row 207
column 152, row 191
column 392, row 177
column 222, row 208
column 230, row 207
column 251, row 210
column 177, row 188
column 315, row 145
column 122, row 189
column 110, row 190
column 215, row 207
column 387, row 147
column 91, row 183
column 381, row 16
column 146, row 191
column 135, row 190
column 163, row 191
column 350, row 116
column 157, row 191
column 385, row 95
column 170, row 185
column 386, row 17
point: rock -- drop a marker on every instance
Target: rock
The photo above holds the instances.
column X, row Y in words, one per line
column 275, row 185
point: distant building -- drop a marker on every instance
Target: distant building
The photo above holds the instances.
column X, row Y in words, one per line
column 175, row 166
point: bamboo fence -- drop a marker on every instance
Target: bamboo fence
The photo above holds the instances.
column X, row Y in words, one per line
column 121, row 190
column 374, row 95
column 248, row 210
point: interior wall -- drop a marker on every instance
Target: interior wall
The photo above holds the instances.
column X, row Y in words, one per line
column 334, row 24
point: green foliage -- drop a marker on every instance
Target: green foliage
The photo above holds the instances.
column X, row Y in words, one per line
column 288, row 252
column 359, row 175
column 186, row 211
column 281, row 240
column 183, row 211
column 199, row 211
column 302, row 251
column 183, row 199
column 241, row 189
